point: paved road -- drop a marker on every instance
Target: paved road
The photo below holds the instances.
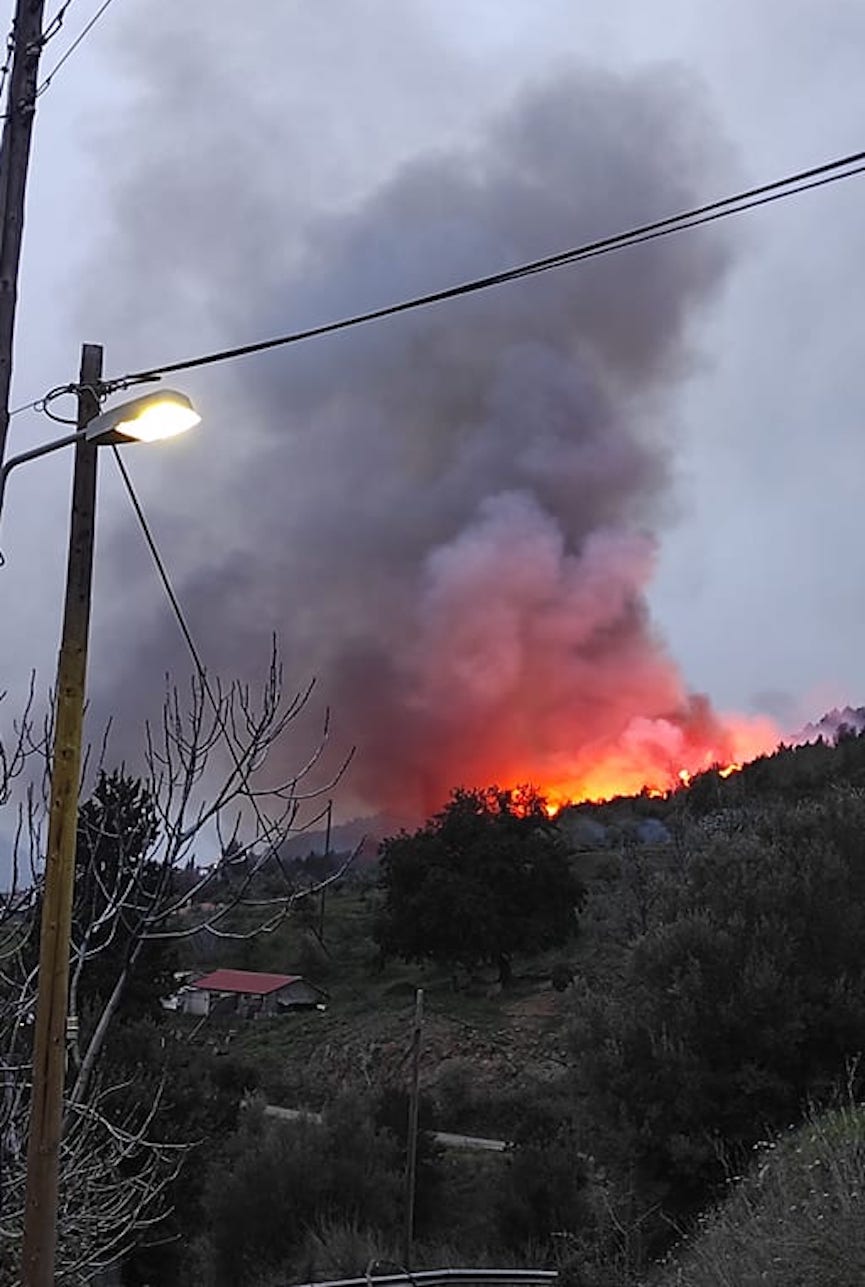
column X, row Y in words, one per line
column 447, row 1139
column 476, row 1142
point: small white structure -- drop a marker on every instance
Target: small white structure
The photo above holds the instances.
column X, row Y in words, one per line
column 249, row 995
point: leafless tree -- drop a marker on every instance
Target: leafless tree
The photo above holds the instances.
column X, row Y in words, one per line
column 203, row 857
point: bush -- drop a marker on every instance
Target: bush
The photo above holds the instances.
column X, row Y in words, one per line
column 545, row 1187
column 454, row 1094
column 390, row 1114
column 741, row 1004
column 278, row 1181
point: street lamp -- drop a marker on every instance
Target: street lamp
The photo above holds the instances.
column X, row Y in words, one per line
column 148, row 418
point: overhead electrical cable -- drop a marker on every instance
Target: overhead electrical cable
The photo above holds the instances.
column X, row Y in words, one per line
column 159, row 563
column 50, row 31
column 267, row 829
column 37, row 405
column 778, row 190
column 75, row 43
column 56, row 23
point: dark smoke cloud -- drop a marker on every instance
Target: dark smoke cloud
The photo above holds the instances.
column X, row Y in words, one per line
column 449, row 517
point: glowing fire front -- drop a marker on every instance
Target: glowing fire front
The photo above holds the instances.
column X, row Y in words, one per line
column 655, row 757
column 532, row 657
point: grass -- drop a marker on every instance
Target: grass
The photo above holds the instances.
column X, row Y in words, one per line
column 304, row 1059
column 336, row 1249
column 798, row 1220
column 509, row 1043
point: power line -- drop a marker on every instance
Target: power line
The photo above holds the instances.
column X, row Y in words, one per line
column 160, row 565
column 75, row 43
column 266, row 829
column 56, row 22
column 803, row 181
column 37, row 405
column 48, row 34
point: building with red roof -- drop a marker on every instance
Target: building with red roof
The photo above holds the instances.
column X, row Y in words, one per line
column 249, row 995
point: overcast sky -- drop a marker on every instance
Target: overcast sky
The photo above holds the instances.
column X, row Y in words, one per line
column 290, row 115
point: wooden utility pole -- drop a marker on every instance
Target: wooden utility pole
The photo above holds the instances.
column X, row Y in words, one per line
column 411, row 1143
column 14, row 163
column 49, row 1040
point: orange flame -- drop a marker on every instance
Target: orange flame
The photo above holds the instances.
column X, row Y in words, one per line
column 653, row 758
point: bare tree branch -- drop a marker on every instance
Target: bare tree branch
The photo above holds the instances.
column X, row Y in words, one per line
column 206, row 856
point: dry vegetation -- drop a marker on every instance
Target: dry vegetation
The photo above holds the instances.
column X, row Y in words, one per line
column 797, row 1220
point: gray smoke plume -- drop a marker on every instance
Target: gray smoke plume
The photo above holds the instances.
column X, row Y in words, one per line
column 449, row 517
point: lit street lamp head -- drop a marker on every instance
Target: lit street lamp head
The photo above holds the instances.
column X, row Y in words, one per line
column 146, row 419
column 150, row 418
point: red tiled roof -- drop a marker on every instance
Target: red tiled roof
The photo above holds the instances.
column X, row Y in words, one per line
column 244, row 981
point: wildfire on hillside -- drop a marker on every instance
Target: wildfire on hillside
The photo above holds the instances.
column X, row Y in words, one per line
column 656, row 757
column 462, row 548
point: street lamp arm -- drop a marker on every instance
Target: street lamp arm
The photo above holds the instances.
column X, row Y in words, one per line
column 33, row 454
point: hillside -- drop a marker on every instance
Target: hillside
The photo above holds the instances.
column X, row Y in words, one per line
column 716, row 995
column 504, row 1041
column 797, row 1218
column 626, row 852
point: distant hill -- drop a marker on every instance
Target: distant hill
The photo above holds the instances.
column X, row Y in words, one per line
column 346, row 836
column 830, row 725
